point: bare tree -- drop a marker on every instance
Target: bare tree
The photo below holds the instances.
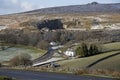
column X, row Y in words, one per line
column 22, row 59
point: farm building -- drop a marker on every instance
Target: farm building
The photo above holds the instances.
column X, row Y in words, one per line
column 69, row 53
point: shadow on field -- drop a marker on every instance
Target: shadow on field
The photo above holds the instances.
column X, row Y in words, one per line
column 94, row 63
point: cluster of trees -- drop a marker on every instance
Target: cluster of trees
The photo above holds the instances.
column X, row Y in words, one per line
column 85, row 50
column 24, row 37
column 50, row 24
column 42, row 39
column 21, row 60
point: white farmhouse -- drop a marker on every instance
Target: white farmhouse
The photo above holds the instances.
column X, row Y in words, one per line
column 69, row 53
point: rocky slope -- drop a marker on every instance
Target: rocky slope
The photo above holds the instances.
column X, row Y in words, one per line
column 88, row 8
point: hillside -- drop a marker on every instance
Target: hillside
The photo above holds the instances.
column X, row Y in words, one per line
column 87, row 8
column 75, row 17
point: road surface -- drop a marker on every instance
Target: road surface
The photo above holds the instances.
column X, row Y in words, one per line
column 48, row 55
column 30, row 75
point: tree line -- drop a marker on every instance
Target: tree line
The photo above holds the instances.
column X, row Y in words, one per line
column 42, row 39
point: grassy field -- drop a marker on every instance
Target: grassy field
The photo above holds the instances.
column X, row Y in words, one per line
column 110, row 63
column 111, row 46
column 7, row 54
column 107, row 60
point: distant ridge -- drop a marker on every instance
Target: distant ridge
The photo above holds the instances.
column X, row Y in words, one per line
column 87, row 8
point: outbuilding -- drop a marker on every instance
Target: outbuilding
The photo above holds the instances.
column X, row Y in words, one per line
column 69, row 53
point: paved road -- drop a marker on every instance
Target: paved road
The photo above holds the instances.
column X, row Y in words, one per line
column 30, row 75
column 48, row 55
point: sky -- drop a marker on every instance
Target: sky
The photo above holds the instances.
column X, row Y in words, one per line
column 15, row 6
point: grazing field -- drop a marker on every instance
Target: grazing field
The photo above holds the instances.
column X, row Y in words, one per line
column 111, row 46
column 107, row 60
column 109, row 63
column 10, row 52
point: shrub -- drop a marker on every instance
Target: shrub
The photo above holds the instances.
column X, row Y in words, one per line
column 22, row 59
column 5, row 78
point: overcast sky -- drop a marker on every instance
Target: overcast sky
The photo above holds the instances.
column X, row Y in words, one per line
column 13, row 6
